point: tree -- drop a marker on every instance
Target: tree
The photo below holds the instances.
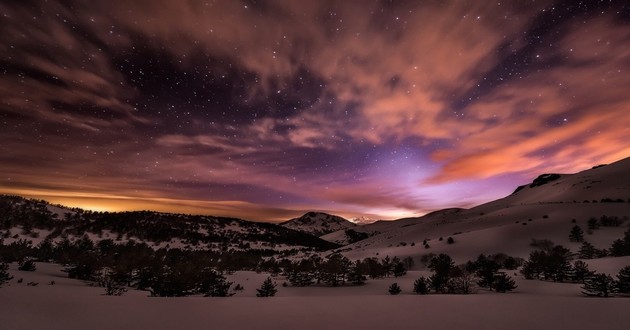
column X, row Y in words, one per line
column 387, row 266
column 394, row 289
column 623, row 280
column 267, row 289
column 111, row 285
column 576, row 234
column 441, row 265
column 600, row 285
column 421, row 285
column 408, row 262
column 4, row 274
column 621, row 247
column 461, row 281
column 450, row 240
column 334, row 271
column 355, row 276
column 503, row 283
column 485, row 269
column 593, row 224
column 587, row 251
column 213, row 284
column 551, row 264
column 27, row 265
column 399, row 269
column 580, row 271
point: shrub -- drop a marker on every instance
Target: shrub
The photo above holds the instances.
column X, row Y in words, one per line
column 450, row 240
column 394, row 289
column 27, row 265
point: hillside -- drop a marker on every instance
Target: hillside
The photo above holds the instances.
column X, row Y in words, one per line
column 318, row 224
column 544, row 209
column 35, row 221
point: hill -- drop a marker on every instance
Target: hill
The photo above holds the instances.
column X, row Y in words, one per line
column 318, row 223
column 547, row 208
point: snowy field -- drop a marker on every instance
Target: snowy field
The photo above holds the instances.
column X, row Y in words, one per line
column 71, row 304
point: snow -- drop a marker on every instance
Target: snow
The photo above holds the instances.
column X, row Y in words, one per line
column 318, row 224
column 70, row 304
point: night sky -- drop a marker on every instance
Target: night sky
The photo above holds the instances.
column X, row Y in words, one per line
column 266, row 109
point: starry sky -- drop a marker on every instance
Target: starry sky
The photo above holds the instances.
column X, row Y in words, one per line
column 266, row 109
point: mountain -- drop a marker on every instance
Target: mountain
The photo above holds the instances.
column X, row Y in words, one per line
column 318, row 223
column 547, row 208
column 35, row 221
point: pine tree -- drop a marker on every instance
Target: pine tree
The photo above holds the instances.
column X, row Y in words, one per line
column 421, row 286
column 394, row 289
column 213, row 284
column 387, row 266
column 399, row 269
column 4, row 274
column 267, row 289
column 485, row 269
column 600, row 285
column 587, row 251
column 503, row 283
column 355, row 276
column 576, row 234
column 580, row 271
column 623, row 280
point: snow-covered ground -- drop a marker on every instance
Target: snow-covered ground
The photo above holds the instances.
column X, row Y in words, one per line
column 71, row 304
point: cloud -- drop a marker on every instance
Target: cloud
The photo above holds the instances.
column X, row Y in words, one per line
column 298, row 104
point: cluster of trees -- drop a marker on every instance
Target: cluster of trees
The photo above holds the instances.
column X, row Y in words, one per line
column 555, row 263
column 604, row 285
column 336, row 270
column 164, row 272
column 620, row 247
column 446, row 277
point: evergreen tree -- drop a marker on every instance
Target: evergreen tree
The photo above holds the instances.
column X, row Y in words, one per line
column 485, row 269
column 503, row 283
column 334, row 271
column 267, row 289
column 387, row 266
column 4, row 273
column 27, row 265
column 621, row 247
column 213, row 284
column 593, row 224
column 600, row 285
column 399, row 269
column 587, row 251
column 580, row 271
column 623, row 280
column 355, row 276
column 441, row 265
column 394, row 289
column 576, row 234
column 421, row 285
